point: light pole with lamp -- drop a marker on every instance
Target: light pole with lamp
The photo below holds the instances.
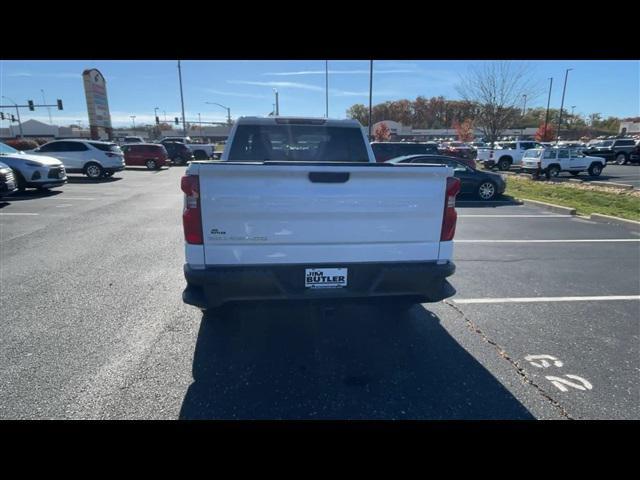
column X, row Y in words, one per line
column 17, row 113
column 226, row 108
column 277, row 103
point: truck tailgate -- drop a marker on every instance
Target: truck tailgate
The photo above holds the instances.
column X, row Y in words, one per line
column 256, row 214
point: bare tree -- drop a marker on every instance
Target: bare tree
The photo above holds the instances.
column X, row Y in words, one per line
column 498, row 90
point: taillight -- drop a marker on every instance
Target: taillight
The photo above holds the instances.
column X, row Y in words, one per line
column 450, row 216
column 191, row 215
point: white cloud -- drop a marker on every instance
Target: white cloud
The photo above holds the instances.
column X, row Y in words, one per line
column 302, row 86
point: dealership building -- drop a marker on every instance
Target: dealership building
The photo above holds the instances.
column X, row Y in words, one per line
column 404, row 132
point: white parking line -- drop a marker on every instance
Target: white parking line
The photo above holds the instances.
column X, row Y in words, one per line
column 16, row 214
column 545, row 299
column 577, row 240
column 516, row 216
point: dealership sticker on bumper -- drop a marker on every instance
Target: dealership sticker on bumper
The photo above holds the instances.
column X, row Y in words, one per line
column 325, row 277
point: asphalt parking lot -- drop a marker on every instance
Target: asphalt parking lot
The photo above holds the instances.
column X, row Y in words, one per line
column 545, row 323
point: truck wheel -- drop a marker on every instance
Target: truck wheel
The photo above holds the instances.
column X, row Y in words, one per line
column 621, row 159
column 504, row 164
column 487, row 191
column 151, row 164
column 93, row 170
column 553, row 171
column 595, row 170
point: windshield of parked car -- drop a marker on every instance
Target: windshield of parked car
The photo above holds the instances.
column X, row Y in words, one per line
column 7, row 150
column 532, row 154
column 298, row 143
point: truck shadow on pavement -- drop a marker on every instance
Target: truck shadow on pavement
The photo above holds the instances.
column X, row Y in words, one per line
column 352, row 362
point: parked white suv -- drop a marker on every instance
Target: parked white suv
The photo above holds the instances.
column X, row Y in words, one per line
column 93, row 158
column 552, row 161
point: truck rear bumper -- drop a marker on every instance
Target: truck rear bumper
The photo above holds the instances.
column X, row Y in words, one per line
column 214, row 286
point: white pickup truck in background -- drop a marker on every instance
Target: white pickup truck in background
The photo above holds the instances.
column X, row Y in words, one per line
column 298, row 208
column 505, row 154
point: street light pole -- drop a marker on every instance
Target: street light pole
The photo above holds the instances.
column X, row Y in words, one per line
column 277, row 103
column 18, row 114
column 200, row 124
column 370, row 93
column 566, row 74
column 326, row 87
column 184, row 124
column 133, row 118
column 226, row 108
column 546, row 117
column 48, row 108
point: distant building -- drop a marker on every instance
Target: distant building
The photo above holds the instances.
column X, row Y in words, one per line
column 402, row 132
column 36, row 129
column 630, row 128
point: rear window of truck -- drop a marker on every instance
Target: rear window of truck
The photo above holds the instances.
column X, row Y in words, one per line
column 298, row 143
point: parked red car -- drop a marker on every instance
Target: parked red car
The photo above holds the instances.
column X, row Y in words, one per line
column 150, row 155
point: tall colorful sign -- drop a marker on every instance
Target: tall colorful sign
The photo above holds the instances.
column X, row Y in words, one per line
column 95, row 89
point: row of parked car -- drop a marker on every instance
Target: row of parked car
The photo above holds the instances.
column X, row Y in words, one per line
column 47, row 166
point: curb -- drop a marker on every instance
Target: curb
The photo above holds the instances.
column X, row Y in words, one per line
column 625, row 186
column 550, row 206
column 615, row 220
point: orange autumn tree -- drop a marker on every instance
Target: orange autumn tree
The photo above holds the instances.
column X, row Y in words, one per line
column 547, row 135
column 382, row 133
column 464, row 130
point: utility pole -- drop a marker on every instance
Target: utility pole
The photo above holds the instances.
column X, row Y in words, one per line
column 184, row 125
column 326, row 87
column 566, row 74
column 546, row 117
column 133, row 118
column 200, row 125
column 370, row 93
column 277, row 103
column 48, row 108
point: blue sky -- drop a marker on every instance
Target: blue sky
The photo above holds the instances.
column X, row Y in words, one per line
column 611, row 88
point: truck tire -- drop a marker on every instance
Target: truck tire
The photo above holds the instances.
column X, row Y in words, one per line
column 151, row 164
column 200, row 155
column 621, row 158
column 504, row 163
column 595, row 169
column 552, row 171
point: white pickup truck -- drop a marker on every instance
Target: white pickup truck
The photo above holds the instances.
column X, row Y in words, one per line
column 298, row 208
column 505, row 154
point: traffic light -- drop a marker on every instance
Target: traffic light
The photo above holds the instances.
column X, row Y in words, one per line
column 13, row 119
column 1, row 115
column 31, row 105
column 59, row 104
column 177, row 122
column 157, row 120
